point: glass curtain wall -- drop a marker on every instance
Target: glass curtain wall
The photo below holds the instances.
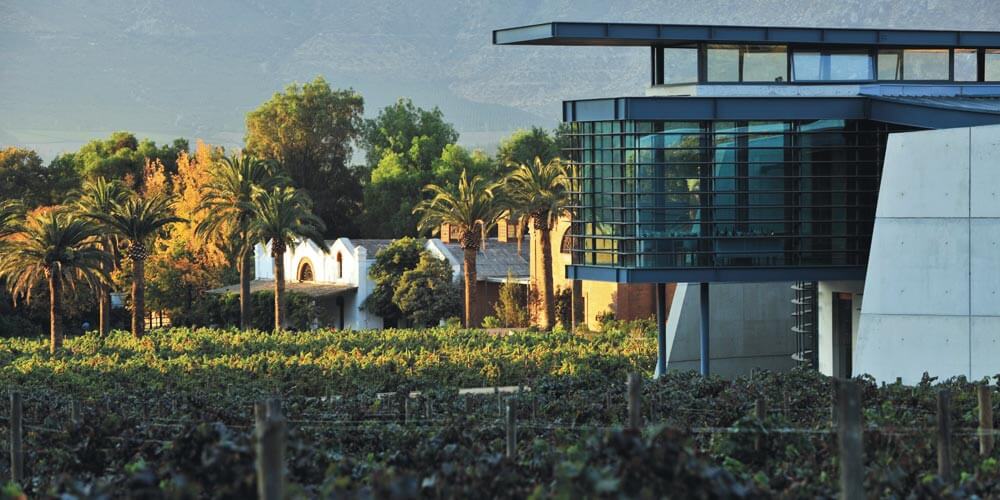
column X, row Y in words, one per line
column 655, row 194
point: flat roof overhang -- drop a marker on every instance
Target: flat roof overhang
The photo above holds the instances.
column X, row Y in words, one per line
column 713, row 275
column 632, row 34
column 914, row 112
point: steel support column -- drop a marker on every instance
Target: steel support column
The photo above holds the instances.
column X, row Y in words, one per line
column 661, row 330
column 704, row 329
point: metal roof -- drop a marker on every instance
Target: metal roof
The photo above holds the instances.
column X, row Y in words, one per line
column 917, row 111
column 631, row 34
column 494, row 261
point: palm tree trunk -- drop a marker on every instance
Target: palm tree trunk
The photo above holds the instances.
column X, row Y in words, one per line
column 55, row 313
column 104, row 310
column 138, row 297
column 246, row 263
column 520, row 234
column 279, row 288
column 548, row 298
column 469, row 271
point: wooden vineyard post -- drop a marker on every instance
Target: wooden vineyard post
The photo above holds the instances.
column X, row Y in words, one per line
column 985, row 420
column 944, row 434
column 511, row 426
column 607, row 406
column 406, row 410
column 270, row 425
column 634, row 401
column 496, row 390
column 16, row 443
column 760, row 413
column 848, row 412
column 427, row 408
column 76, row 413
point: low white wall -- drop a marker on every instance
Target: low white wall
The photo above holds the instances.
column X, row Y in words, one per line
column 931, row 292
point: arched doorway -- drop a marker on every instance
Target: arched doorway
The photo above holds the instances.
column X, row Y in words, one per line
column 305, row 272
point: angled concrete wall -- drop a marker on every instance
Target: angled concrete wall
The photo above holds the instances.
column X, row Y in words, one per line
column 931, row 299
column 751, row 327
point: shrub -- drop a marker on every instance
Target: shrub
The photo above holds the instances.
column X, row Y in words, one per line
column 509, row 309
column 224, row 311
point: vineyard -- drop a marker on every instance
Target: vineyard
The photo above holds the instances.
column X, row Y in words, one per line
column 381, row 414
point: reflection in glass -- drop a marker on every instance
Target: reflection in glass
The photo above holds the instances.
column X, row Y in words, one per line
column 890, row 65
column 831, row 65
column 992, row 65
column 680, row 65
column 765, row 63
column 966, row 65
column 925, row 64
column 723, row 63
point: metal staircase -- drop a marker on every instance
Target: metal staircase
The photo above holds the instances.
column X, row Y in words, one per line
column 805, row 327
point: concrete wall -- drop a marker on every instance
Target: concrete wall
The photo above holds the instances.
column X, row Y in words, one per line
column 751, row 327
column 931, row 293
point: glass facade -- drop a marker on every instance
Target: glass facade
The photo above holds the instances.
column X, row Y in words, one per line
column 966, row 65
column 992, row 65
column 832, row 65
column 913, row 64
column 724, row 194
column 680, row 65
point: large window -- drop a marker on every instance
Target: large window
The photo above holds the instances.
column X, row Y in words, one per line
column 992, row 65
column 663, row 194
column 839, row 65
column 966, row 66
column 680, row 65
column 746, row 63
column 913, row 64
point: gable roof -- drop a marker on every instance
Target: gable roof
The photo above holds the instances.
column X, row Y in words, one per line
column 493, row 262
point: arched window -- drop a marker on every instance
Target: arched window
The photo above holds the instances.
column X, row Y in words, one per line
column 566, row 246
column 340, row 265
column 306, row 272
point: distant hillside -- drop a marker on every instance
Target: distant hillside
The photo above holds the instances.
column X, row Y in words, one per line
column 72, row 70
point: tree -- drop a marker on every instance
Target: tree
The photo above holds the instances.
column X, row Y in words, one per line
column 473, row 208
column 309, row 130
column 121, row 157
column 282, row 216
column 402, row 145
column 509, row 308
column 96, row 197
column 59, row 249
column 137, row 221
column 23, row 177
column 541, row 190
column 227, row 207
column 391, row 263
column 524, row 145
column 426, row 294
column 10, row 212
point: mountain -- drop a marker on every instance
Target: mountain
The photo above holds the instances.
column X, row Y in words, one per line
column 71, row 70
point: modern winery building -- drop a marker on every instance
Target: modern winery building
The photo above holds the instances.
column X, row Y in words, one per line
column 835, row 192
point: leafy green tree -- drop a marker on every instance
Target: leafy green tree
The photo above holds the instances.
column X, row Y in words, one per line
column 455, row 159
column 426, row 294
column 403, row 144
column 524, row 145
column 283, row 215
column 471, row 206
column 101, row 196
column 510, row 307
column 138, row 221
column 227, row 207
column 309, row 130
column 121, row 157
column 542, row 191
column 59, row 249
column 390, row 264
column 23, row 177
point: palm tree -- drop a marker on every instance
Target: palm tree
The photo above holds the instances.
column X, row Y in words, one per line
column 472, row 206
column 101, row 197
column 282, row 216
column 10, row 212
column 541, row 190
column 137, row 221
column 228, row 208
column 59, row 249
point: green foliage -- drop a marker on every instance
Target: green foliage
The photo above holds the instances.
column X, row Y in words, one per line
column 223, row 311
column 510, row 308
column 406, row 147
column 309, row 130
column 391, row 262
column 24, row 178
column 426, row 294
column 120, row 157
column 524, row 145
